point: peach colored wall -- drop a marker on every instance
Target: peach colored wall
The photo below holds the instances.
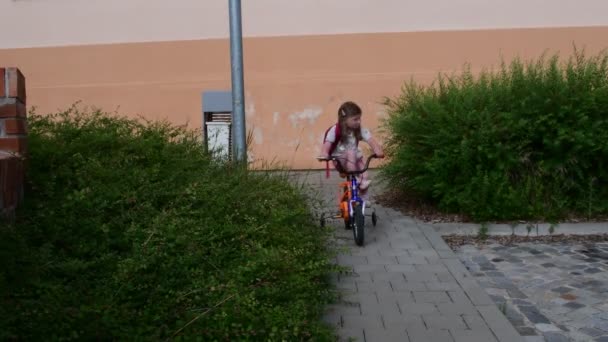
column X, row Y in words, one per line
column 293, row 84
column 78, row 22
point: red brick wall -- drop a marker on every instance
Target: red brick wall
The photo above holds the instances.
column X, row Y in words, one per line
column 13, row 139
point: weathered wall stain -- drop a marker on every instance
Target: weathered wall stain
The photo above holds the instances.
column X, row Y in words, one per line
column 308, row 115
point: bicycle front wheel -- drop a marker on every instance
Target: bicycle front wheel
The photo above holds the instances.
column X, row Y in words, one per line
column 358, row 224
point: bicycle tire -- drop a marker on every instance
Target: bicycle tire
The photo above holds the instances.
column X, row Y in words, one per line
column 358, row 225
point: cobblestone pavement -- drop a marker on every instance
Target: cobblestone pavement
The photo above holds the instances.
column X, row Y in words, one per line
column 549, row 292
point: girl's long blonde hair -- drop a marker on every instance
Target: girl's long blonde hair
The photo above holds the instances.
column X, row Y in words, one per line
column 346, row 110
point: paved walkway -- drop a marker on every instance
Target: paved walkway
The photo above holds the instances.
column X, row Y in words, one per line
column 405, row 283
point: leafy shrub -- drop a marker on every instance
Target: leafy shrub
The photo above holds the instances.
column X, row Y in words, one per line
column 528, row 141
column 130, row 232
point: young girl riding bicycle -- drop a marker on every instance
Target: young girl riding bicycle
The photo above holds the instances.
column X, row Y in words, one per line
column 342, row 142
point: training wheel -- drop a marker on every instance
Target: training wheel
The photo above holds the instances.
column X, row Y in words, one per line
column 374, row 218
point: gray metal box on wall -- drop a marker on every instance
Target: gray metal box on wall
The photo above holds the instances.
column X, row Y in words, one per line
column 217, row 122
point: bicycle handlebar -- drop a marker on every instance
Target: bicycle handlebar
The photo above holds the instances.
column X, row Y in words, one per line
column 341, row 169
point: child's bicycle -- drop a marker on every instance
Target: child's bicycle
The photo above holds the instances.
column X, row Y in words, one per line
column 351, row 206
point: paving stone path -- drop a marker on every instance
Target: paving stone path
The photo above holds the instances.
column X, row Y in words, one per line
column 406, row 284
column 549, row 292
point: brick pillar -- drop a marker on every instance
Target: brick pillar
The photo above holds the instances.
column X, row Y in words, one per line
column 13, row 139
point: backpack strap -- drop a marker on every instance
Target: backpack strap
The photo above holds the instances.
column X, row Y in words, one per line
column 338, row 136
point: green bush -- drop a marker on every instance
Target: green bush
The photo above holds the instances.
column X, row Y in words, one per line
column 130, row 232
column 529, row 141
